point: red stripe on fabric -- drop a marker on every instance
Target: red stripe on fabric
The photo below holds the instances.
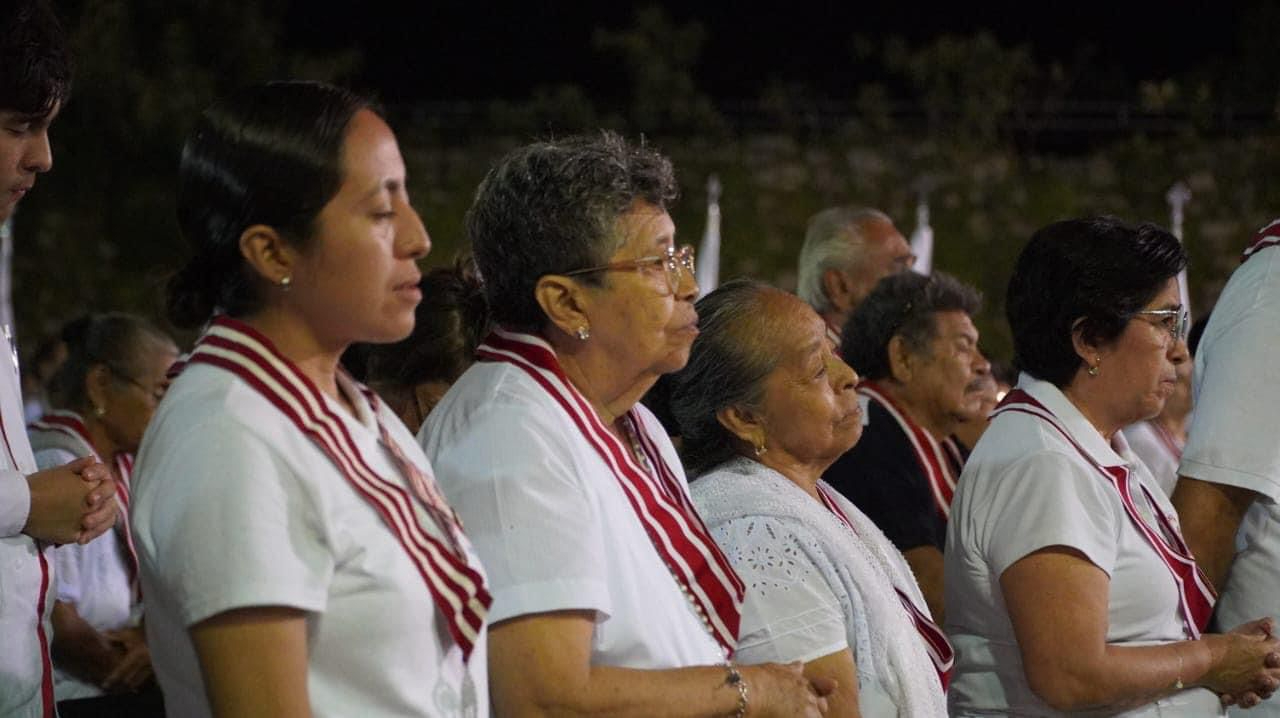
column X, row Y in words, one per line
column 679, row 490
column 938, row 647
column 1268, row 236
column 927, row 450
column 389, row 500
column 693, row 531
column 396, row 519
column 1197, row 604
column 646, row 515
column 46, row 664
column 664, row 522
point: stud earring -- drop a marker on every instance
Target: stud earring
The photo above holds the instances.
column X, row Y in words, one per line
column 1097, row 362
column 99, row 411
column 285, row 282
column 761, row 449
column 583, row 333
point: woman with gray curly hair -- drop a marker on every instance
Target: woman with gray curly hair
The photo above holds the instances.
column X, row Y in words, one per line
column 610, row 597
column 826, row 587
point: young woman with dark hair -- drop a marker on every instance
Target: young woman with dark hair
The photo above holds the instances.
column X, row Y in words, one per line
column 297, row 557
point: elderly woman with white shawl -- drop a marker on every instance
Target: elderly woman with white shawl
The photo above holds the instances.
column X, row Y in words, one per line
column 764, row 406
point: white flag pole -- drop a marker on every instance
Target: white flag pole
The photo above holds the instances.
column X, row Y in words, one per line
column 1177, row 197
column 922, row 238
column 708, row 260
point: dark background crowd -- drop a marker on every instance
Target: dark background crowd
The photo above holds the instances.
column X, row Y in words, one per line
column 1002, row 119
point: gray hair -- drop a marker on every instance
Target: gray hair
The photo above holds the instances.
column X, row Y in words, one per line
column 903, row 305
column 726, row 368
column 552, row 207
column 116, row 340
column 833, row 240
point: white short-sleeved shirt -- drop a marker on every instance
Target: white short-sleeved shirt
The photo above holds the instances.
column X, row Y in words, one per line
column 95, row 578
column 1146, row 442
column 551, row 523
column 234, row 507
column 25, row 567
column 1233, row 433
column 1025, row 488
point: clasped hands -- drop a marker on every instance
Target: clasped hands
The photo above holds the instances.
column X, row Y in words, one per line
column 73, row 503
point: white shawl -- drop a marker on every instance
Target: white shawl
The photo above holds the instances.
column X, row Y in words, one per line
column 866, row 565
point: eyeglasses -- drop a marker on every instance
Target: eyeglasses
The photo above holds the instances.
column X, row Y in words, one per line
column 156, row 393
column 675, row 263
column 1174, row 320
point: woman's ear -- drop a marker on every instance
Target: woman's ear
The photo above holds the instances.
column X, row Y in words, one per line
column 96, row 382
column 270, row 256
column 1085, row 348
column 565, row 304
column 742, row 423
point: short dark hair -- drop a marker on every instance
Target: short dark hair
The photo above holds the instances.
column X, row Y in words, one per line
column 271, row 155
column 1096, row 271
column 726, row 368
column 903, row 304
column 552, row 207
column 115, row 340
column 36, row 63
column 450, row 322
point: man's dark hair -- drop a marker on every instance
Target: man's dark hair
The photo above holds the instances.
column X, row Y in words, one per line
column 902, row 304
column 35, row 64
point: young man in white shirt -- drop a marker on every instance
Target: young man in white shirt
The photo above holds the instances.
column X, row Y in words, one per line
column 37, row 508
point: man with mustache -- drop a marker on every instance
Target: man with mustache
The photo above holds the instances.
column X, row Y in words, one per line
column 38, row 509
column 914, row 343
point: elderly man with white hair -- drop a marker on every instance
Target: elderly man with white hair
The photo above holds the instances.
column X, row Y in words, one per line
column 846, row 251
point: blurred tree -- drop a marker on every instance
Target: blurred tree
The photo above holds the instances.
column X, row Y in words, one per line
column 100, row 232
column 658, row 57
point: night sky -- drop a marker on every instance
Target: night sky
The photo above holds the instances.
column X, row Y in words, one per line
column 449, row 50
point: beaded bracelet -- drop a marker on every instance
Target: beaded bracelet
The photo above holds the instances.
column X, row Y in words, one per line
column 735, row 679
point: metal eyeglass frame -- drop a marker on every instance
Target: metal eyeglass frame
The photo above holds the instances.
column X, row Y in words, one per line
column 674, row 263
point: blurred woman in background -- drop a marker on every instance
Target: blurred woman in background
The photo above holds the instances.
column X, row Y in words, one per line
column 102, row 398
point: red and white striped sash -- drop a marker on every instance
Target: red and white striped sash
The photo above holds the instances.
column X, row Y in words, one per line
column 660, row 501
column 456, row 587
column 1195, row 593
column 935, row 641
column 71, row 425
column 933, row 459
column 1268, row 236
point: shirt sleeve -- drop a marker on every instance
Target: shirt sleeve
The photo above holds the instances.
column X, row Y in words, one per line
column 1047, row 499
column 232, row 526
column 515, row 481
column 1232, row 438
column 15, row 502
column 790, row 612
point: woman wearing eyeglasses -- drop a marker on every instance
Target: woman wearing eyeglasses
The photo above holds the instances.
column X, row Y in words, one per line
column 1068, row 584
column 609, row 595
column 103, row 397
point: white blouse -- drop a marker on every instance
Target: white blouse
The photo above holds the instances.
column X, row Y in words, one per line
column 1024, row 488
